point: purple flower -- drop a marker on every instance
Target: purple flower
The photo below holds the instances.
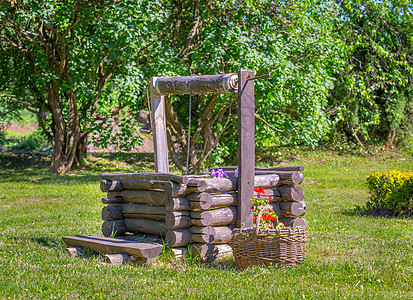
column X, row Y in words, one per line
column 218, row 173
column 236, row 172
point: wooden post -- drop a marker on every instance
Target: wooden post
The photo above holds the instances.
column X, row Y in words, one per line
column 159, row 130
column 246, row 146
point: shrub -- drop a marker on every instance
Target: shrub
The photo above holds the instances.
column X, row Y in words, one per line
column 393, row 191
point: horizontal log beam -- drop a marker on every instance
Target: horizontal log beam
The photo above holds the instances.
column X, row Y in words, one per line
column 178, row 219
column 112, row 212
column 293, row 209
column 181, row 85
column 146, row 226
column 211, row 235
column 293, row 222
column 113, row 228
column 115, row 200
column 143, row 197
column 146, row 176
column 177, row 204
column 178, row 237
column 293, row 168
column 173, row 189
column 217, row 185
column 214, row 217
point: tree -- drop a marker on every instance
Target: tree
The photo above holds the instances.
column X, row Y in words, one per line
column 74, row 64
column 373, row 91
column 294, row 40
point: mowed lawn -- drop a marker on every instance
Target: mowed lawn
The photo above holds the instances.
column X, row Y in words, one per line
column 349, row 255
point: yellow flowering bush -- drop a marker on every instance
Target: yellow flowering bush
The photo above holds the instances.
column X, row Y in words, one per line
column 392, row 190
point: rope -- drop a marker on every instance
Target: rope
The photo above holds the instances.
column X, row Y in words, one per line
column 189, row 127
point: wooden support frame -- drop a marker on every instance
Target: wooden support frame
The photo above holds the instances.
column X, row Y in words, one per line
column 160, row 143
column 246, row 147
column 246, row 125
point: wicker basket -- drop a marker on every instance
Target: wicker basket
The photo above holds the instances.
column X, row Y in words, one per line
column 268, row 247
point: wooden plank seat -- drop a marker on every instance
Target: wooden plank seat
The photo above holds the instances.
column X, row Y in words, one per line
column 114, row 246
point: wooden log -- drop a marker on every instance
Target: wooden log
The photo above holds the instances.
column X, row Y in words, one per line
column 275, row 206
column 207, row 200
column 199, row 200
column 178, row 219
column 158, row 126
column 114, row 200
column 133, row 208
column 111, row 186
column 177, row 204
column 145, row 216
column 146, row 176
column 146, row 226
column 293, row 209
column 113, row 246
column 113, row 228
column 286, row 177
column 181, row 85
column 217, row 185
column 114, row 195
column 211, row 235
column 145, row 197
column 179, row 252
column 75, row 251
column 173, row 189
column 178, row 237
column 291, row 192
column 293, row 222
column 214, row 217
column 272, row 195
column 209, row 252
column 117, row 259
column 112, row 212
column 293, row 168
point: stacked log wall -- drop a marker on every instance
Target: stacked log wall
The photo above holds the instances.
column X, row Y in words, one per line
column 193, row 209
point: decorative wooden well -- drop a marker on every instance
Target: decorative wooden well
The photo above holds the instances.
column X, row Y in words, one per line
column 196, row 211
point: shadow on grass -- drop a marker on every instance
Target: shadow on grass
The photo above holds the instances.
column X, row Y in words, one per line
column 35, row 167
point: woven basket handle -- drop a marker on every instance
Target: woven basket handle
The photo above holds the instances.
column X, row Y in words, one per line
column 258, row 221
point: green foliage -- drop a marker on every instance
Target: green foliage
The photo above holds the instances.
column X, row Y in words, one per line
column 393, row 191
column 373, row 90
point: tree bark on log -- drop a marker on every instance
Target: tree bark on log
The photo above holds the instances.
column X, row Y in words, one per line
column 113, row 228
column 291, row 192
column 112, row 212
column 173, row 189
column 132, row 208
column 211, row 235
column 178, row 219
column 293, row 209
column 177, row 204
column 145, row 216
column 209, row 252
column 293, row 168
column 181, row 85
column 116, row 200
column 146, row 176
column 146, row 226
column 144, row 197
column 214, row 217
column 178, row 237
column 293, row 222
column 113, row 246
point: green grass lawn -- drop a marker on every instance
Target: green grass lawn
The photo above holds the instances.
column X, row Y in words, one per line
column 349, row 255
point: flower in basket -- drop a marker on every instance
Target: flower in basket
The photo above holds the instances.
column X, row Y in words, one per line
column 268, row 218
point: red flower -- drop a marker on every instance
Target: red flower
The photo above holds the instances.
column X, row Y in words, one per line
column 252, row 207
column 259, row 190
column 255, row 219
column 270, row 197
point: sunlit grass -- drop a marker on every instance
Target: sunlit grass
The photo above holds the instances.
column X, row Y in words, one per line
column 349, row 255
